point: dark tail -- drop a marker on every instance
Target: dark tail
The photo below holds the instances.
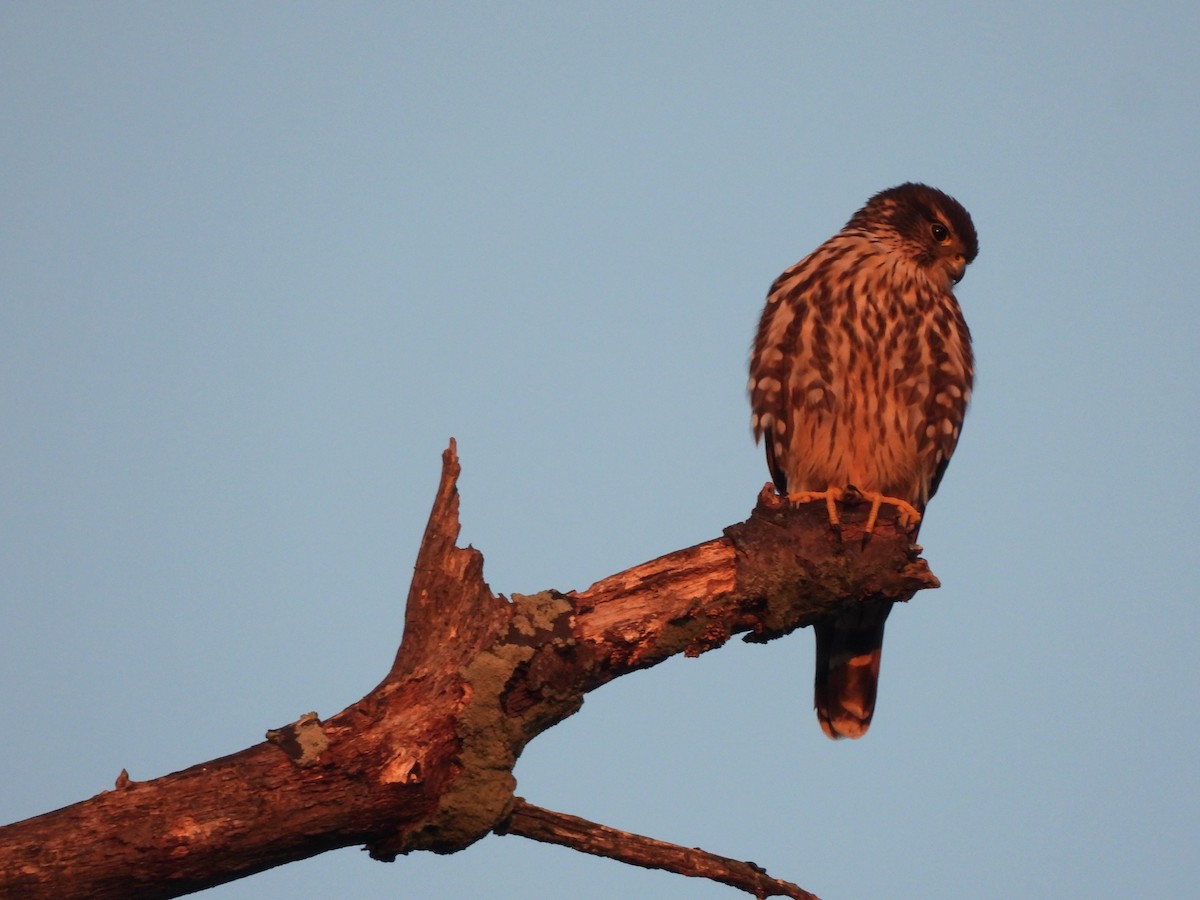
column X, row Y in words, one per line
column 849, row 647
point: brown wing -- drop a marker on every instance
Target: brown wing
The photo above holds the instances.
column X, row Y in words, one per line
column 951, row 373
column 780, row 355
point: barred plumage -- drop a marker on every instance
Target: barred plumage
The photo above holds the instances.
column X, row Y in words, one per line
column 860, row 376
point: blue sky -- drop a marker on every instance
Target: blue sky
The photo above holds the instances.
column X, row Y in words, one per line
column 258, row 262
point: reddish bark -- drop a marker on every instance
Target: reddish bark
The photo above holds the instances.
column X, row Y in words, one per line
column 424, row 761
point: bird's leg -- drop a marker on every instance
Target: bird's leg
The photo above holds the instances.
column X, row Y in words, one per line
column 908, row 515
column 830, row 495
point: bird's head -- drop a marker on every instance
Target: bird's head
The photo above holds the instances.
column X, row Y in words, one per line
column 932, row 227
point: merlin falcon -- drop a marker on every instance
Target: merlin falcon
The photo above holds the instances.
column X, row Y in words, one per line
column 860, row 376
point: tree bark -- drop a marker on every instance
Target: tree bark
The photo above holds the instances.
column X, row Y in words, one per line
column 424, row 761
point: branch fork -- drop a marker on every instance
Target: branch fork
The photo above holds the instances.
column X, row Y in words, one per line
column 424, row 761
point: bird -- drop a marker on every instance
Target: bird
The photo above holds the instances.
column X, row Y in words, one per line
column 860, row 375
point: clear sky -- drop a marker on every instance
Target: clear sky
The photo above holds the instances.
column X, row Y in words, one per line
column 258, row 262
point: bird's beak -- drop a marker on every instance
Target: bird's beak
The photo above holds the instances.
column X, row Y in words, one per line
column 957, row 267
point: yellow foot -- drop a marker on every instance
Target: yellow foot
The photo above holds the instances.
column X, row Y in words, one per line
column 831, row 496
column 908, row 515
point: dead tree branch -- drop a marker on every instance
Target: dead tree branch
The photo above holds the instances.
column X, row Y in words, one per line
column 600, row 840
column 425, row 760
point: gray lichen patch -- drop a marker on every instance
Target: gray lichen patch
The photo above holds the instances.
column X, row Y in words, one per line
column 491, row 736
column 546, row 616
column 303, row 741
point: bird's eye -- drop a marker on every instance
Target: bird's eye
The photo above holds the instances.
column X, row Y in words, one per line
column 940, row 233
